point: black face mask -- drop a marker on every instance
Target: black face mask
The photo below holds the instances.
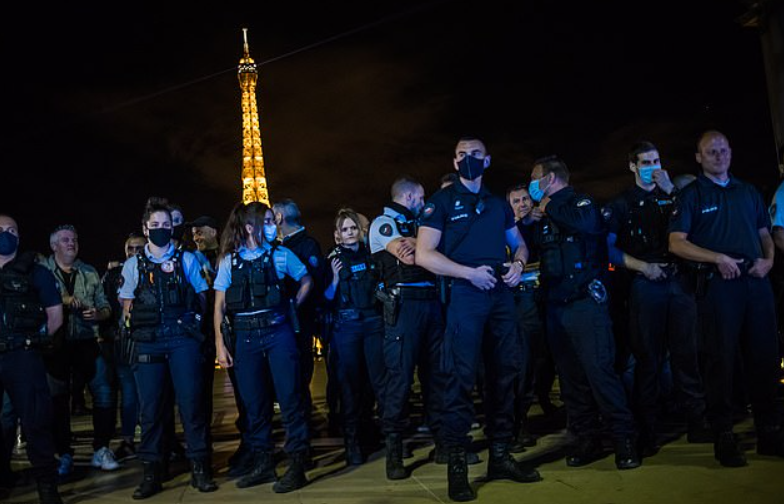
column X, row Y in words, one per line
column 470, row 167
column 8, row 243
column 160, row 237
column 178, row 232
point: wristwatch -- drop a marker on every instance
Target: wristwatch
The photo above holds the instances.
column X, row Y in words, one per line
column 521, row 263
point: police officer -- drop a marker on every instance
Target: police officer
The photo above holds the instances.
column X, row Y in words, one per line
column 663, row 312
column 722, row 226
column 357, row 333
column 31, row 311
column 162, row 296
column 249, row 288
column 413, row 319
column 463, row 237
column 573, row 258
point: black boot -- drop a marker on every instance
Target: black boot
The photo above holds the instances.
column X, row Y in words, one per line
column 395, row 468
column 151, row 483
column 241, row 461
column 201, row 475
column 523, row 439
column 727, row 451
column 626, row 456
column 263, row 471
column 354, row 455
column 503, row 466
column 457, row 476
column 47, row 490
column 294, row 477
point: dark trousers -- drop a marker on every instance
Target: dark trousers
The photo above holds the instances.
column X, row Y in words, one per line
column 536, row 369
column 266, row 366
column 479, row 324
column 23, row 377
column 739, row 316
column 308, row 329
column 179, row 359
column 581, row 339
column 360, row 360
column 664, row 322
column 418, row 331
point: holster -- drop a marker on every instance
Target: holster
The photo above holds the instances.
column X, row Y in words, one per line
column 293, row 316
column 444, row 288
column 126, row 347
column 391, row 304
column 698, row 275
column 229, row 338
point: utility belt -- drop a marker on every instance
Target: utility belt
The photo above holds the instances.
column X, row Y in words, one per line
column 263, row 320
column 15, row 343
column 351, row 314
column 186, row 326
column 406, row 292
column 595, row 290
column 669, row 269
column 529, row 282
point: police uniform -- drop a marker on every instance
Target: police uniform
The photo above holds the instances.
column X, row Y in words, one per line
column 473, row 227
column 164, row 323
column 26, row 290
column 413, row 326
column 663, row 312
column 735, row 315
column 265, row 343
column 357, row 337
column 573, row 258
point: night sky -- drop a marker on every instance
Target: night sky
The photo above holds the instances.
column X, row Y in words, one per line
column 103, row 109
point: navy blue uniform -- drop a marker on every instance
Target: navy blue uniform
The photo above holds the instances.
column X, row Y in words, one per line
column 736, row 315
column 573, row 257
column 22, row 372
column 663, row 312
column 478, row 322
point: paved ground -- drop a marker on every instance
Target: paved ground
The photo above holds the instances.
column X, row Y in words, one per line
column 680, row 473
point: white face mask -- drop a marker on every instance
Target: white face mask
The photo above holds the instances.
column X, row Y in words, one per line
column 270, row 232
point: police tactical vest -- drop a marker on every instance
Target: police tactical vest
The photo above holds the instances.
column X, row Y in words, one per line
column 644, row 228
column 21, row 312
column 163, row 294
column 358, row 279
column 254, row 285
column 393, row 271
column 568, row 262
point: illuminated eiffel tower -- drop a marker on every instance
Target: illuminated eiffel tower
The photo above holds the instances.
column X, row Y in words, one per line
column 254, row 181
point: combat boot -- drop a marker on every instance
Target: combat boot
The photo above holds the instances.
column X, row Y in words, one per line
column 354, row 455
column 47, row 489
column 201, row 475
column 503, row 466
column 727, row 451
column 395, row 468
column 626, row 456
column 263, row 470
column 151, row 482
column 457, row 476
column 294, row 477
column 523, row 439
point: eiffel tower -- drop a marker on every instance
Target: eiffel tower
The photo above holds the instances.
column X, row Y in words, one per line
column 254, row 180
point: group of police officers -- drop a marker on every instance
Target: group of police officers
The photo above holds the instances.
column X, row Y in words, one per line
column 466, row 284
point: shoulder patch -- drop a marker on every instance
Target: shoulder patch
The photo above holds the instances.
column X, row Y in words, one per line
column 385, row 230
column 313, row 261
column 428, row 210
column 583, row 202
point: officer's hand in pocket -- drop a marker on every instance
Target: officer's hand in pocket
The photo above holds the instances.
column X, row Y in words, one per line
column 482, row 277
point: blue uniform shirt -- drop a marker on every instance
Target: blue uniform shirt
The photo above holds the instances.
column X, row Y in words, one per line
column 473, row 225
column 286, row 263
column 190, row 265
column 722, row 219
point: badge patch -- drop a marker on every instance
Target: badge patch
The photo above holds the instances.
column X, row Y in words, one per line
column 313, row 261
column 583, row 202
column 385, row 230
column 167, row 267
column 428, row 210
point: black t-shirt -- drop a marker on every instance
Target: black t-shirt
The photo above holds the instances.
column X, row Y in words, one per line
column 640, row 220
column 528, row 231
column 473, row 225
column 722, row 219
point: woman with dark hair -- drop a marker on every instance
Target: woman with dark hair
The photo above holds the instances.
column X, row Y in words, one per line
column 262, row 348
column 163, row 298
column 357, row 332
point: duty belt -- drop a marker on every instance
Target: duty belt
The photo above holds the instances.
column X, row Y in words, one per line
column 415, row 293
column 526, row 287
column 13, row 344
column 350, row 314
column 258, row 321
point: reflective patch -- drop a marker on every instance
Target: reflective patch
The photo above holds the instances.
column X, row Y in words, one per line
column 428, row 210
column 313, row 261
column 385, row 230
column 167, row 267
column 583, row 202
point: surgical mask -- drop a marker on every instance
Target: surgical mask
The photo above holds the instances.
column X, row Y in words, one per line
column 270, row 232
column 160, row 237
column 8, row 243
column 646, row 173
column 471, row 168
column 536, row 193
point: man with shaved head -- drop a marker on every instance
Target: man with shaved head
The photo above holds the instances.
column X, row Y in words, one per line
column 721, row 228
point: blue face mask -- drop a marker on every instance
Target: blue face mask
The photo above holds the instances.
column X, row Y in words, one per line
column 8, row 243
column 646, row 173
column 270, row 232
column 536, row 193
